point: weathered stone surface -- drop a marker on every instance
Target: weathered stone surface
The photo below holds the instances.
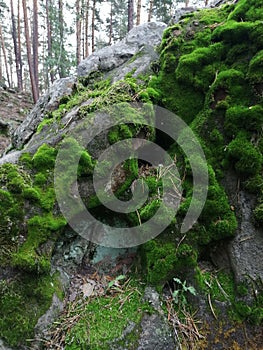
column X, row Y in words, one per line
column 245, row 250
column 134, row 53
column 47, row 103
column 3, row 347
column 155, row 334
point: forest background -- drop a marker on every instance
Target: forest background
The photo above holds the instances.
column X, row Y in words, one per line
column 41, row 41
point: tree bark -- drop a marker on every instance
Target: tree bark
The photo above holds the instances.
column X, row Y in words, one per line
column 2, row 41
column 150, row 11
column 130, row 14
column 93, row 26
column 49, row 43
column 62, row 73
column 19, row 42
column 78, row 31
column 29, row 54
column 111, row 24
column 139, row 7
column 87, row 29
column 35, row 45
column 14, row 35
column 1, row 72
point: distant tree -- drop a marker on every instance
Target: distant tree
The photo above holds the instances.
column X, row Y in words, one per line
column 49, row 64
column 35, row 44
column 130, row 14
column 86, row 35
column 19, row 47
column 29, row 54
column 160, row 10
column 110, row 24
column 78, row 31
column 5, row 74
column 138, row 12
column 116, row 23
column 150, row 10
column 2, row 42
column 18, row 58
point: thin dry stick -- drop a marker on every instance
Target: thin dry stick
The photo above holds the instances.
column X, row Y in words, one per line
column 211, row 306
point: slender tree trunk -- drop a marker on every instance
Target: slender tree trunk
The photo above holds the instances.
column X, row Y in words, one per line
column 93, row 26
column 19, row 50
column 2, row 42
column 150, row 12
column 49, row 42
column 29, row 54
column 111, row 25
column 82, row 28
column 35, row 45
column 186, row 3
column 62, row 73
column 130, row 14
column 1, row 72
column 206, row 2
column 87, row 29
column 139, row 8
column 78, row 31
column 14, row 35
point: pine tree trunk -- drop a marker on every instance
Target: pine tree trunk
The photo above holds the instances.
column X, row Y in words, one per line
column 78, row 32
column 19, row 50
column 14, row 35
column 49, row 42
column 1, row 72
column 2, row 42
column 130, row 14
column 35, row 46
column 62, row 73
column 93, row 26
column 111, row 27
column 139, row 7
column 87, row 29
column 29, row 54
column 150, row 11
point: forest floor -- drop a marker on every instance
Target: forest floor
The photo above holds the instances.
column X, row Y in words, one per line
column 14, row 106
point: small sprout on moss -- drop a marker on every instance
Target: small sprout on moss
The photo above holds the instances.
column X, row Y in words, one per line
column 179, row 295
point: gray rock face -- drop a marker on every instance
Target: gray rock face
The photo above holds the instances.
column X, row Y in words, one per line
column 47, row 103
column 245, row 250
column 3, row 347
column 135, row 52
column 156, row 334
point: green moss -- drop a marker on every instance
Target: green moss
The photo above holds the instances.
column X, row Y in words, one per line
column 233, row 32
column 255, row 71
column 29, row 256
column 40, row 179
column 44, row 158
column 246, row 11
column 31, row 194
column 94, row 328
column 162, row 261
column 246, row 118
column 26, row 159
column 45, row 122
column 189, row 66
column 22, row 302
column 246, row 158
column 258, row 214
column 255, row 184
column 211, row 16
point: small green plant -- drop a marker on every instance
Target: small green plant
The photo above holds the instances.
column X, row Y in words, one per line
column 179, row 295
column 115, row 283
